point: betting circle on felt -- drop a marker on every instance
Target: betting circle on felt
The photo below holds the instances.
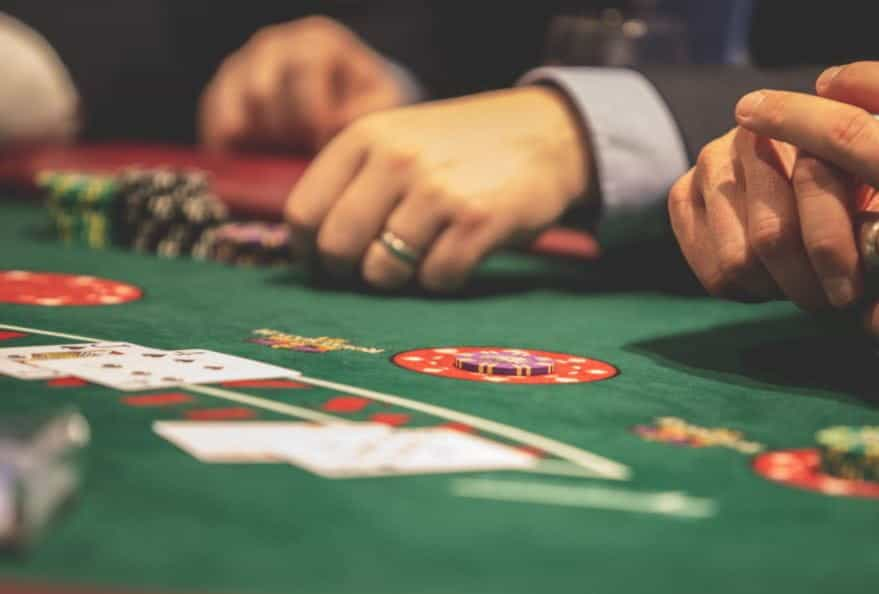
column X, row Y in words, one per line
column 57, row 290
column 567, row 368
column 802, row 469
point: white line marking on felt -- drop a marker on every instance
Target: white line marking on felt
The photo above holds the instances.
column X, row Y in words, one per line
column 563, row 468
column 601, row 466
column 47, row 333
column 671, row 503
column 598, row 464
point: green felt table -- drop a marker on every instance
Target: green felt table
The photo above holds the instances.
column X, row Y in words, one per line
column 151, row 518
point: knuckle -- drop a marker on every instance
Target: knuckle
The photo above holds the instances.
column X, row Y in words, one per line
column 847, row 131
column 733, row 263
column 318, row 22
column 263, row 36
column 398, row 160
column 771, row 237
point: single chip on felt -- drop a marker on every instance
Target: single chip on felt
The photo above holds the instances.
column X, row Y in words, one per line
column 169, row 399
column 508, row 362
column 4, row 335
column 220, row 414
column 265, row 384
column 346, row 404
column 66, row 382
column 53, row 290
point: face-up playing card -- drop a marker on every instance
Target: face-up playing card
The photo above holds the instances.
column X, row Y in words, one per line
column 343, row 453
column 164, row 369
column 28, row 363
column 344, row 450
column 258, row 441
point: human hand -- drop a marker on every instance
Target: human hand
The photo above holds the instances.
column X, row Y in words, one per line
column 294, row 86
column 452, row 180
column 836, row 127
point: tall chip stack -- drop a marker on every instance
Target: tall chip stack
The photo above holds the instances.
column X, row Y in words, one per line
column 162, row 211
column 850, row 452
column 82, row 207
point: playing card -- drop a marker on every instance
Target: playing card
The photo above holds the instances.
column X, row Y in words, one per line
column 164, row 369
column 28, row 363
column 258, row 441
column 342, row 452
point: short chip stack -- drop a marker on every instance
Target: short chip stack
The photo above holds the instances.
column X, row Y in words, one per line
column 508, row 362
column 82, row 207
column 850, row 452
column 246, row 244
column 162, row 211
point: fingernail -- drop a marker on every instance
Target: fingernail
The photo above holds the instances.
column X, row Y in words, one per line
column 749, row 103
column 841, row 292
column 826, row 78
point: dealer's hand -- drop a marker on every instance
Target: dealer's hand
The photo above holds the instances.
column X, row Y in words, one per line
column 450, row 181
column 294, row 86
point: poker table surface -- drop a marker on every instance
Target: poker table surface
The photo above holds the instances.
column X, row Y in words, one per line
column 150, row 518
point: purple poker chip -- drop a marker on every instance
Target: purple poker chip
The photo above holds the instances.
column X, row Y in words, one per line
column 519, row 363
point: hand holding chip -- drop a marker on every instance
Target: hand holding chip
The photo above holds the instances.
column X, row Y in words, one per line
column 768, row 210
column 294, row 86
column 450, row 181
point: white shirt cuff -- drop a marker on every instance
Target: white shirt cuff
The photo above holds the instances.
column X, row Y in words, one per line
column 636, row 145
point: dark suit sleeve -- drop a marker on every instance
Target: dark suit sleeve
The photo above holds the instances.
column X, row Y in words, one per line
column 702, row 98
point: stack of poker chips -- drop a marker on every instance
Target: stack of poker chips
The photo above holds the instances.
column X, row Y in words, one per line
column 850, row 452
column 161, row 211
column 82, row 207
column 246, row 244
column 166, row 211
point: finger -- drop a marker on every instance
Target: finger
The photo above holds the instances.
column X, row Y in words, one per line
column 321, row 185
column 309, row 102
column 361, row 211
column 417, row 220
column 824, row 202
column 223, row 117
column 689, row 223
column 843, row 134
column 721, row 183
column 774, row 225
column 462, row 246
column 871, row 319
column 262, row 92
column 857, row 84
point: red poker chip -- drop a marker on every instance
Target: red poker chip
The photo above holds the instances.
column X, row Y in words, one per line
column 568, row 369
column 802, row 469
column 54, row 290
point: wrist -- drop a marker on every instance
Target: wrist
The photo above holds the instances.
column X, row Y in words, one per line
column 566, row 141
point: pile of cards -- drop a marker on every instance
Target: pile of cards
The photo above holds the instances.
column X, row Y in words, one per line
column 344, row 450
column 126, row 366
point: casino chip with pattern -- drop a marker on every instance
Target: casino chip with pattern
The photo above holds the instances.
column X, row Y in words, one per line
column 505, row 365
column 54, row 290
